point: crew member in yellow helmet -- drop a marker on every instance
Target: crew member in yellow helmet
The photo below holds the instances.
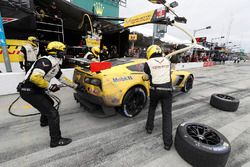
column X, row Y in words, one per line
column 35, row 44
column 93, row 54
column 33, row 90
column 158, row 71
column 104, row 55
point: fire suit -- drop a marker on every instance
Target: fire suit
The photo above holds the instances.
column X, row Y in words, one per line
column 33, row 91
column 30, row 55
column 159, row 71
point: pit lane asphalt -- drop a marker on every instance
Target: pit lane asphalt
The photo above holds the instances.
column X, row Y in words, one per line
column 118, row 141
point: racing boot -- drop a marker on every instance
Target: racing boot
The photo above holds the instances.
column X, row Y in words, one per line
column 43, row 124
column 167, row 147
column 149, row 130
column 60, row 142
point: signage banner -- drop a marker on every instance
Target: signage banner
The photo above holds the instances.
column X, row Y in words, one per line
column 90, row 42
column 148, row 17
column 8, row 20
column 132, row 37
column 2, row 35
column 158, row 1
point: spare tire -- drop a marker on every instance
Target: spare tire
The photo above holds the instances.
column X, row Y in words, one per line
column 224, row 102
column 201, row 145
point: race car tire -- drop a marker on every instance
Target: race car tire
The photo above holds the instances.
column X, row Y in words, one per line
column 201, row 145
column 133, row 102
column 188, row 84
column 224, row 102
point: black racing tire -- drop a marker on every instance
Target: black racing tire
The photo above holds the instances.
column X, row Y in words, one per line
column 188, row 84
column 201, row 145
column 224, row 102
column 133, row 102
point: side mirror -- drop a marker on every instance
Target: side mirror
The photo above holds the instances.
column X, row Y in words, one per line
column 173, row 4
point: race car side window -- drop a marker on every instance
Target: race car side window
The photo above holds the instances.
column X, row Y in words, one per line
column 137, row 67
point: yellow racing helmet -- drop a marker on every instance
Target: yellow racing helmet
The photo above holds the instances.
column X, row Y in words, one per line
column 95, row 51
column 54, row 47
column 34, row 41
column 153, row 49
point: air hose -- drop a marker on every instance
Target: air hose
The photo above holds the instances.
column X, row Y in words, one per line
column 55, row 98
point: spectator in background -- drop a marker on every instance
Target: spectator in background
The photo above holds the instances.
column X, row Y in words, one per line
column 223, row 58
column 143, row 53
column 113, row 52
column 194, row 58
column 104, row 54
column 54, row 11
column 40, row 13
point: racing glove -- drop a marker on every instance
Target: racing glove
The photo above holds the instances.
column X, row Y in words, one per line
column 54, row 88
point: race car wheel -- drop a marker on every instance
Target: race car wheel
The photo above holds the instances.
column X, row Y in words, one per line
column 224, row 102
column 188, row 84
column 201, row 145
column 133, row 102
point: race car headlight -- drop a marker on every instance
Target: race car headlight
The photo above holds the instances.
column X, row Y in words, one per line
column 95, row 82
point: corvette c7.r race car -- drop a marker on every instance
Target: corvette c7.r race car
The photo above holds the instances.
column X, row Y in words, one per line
column 121, row 86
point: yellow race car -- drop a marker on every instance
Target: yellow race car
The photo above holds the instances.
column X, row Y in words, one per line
column 121, row 86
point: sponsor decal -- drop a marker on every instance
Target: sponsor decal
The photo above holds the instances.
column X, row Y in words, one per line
column 148, row 17
column 132, row 37
column 122, row 79
column 8, row 20
column 92, row 42
column 93, row 91
column 45, row 65
column 99, row 8
column 224, row 146
column 15, row 54
column 115, row 100
column 98, row 66
column 160, row 67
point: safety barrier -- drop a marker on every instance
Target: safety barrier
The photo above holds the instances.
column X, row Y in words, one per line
column 183, row 66
column 9, row 81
